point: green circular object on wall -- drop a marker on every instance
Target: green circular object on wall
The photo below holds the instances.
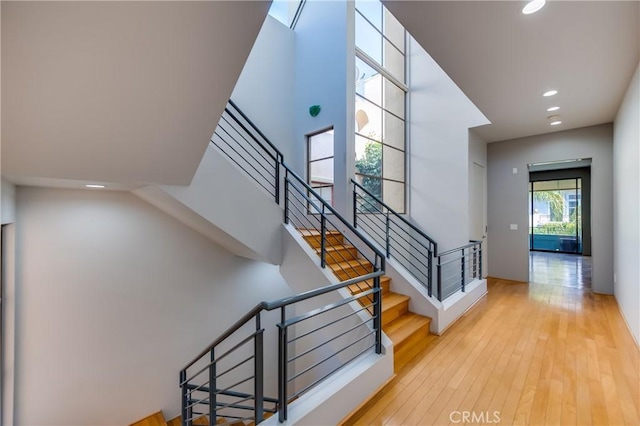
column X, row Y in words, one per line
column 314, row 110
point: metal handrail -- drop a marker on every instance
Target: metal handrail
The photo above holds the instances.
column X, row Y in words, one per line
column 396, row 214
column 262, row 135
column 277, row 304
column 206, row 377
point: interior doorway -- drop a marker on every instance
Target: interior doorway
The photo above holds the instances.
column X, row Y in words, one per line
column 560, row 223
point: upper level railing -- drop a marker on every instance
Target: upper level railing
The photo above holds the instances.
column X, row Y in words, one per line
column 401, row 239
column 244, row 144
column 414, row 249
column 458, row 267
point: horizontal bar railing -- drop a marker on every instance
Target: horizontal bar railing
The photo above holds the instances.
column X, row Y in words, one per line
column 241, row 142
column 458, row 267
column 226, row 380
column 303, row 339
column 401, row 239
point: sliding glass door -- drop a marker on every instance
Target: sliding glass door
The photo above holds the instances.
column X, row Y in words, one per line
column 555, row 215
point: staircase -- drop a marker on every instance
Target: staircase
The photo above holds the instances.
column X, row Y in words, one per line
column 408, row 331
column 157, row 419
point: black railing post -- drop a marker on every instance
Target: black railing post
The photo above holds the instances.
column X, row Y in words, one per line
column 213, row 400
column 282, row 367
column 462, row 270
column 377, row 313
column 430, row 271
column 277, row 188
column 355, row 206
column 258, row 380
column 387, row 238
column 480, row 259
column 439, row 267
column 286, row 197
column 185, row 397
column 323, row 238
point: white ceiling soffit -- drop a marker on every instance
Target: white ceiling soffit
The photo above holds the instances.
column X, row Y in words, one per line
column 124, row 92
column 504, row 60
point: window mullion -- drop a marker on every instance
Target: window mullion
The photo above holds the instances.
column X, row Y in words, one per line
column 374, row 64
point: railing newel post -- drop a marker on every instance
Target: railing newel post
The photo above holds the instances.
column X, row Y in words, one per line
column 462, row 269
column 185, row 397
column 480, row 260
column 213, row 389
column 439, row 268
column 282, row 367
column 323, row 238
column 277, row 188
column 286, row 196
column 258, row 380
column 387, row 235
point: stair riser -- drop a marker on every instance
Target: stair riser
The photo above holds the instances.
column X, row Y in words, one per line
column 341, row 255
column 331, row 240
column 385, row 284
column 352, row 272
column 394, row 313
column 406, row 353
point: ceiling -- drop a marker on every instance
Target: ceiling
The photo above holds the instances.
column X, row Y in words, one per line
column 125, row 93
column 504, row 60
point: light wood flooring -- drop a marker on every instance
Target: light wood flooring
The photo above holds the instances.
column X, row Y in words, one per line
column 529, row 354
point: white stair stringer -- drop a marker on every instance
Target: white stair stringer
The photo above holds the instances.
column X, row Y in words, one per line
column 225, row 205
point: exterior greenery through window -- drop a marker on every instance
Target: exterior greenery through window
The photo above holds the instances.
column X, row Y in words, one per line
column 380, row 104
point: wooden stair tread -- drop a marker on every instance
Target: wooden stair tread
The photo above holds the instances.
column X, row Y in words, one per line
column 405, row 326
column 391, row 300
column 385, row 284
column 350, row 264
column 316, row 233
column 155, row 419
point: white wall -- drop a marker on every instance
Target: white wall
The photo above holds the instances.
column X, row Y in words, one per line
column 8, row 194
column 114, row 298
column 224, row 203
column 508, row 200
column 626, row 206
column 323, row 67
column 478, row 155
column 264, row 90
column 439, row 118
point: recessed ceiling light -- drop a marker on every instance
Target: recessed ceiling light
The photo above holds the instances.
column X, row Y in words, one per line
column 553, row 108
column 533, row 6
column 95, row 186
column 550, row 93
column 555, row 123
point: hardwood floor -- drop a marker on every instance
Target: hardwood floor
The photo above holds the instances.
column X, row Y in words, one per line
column 569, row 270
column 528, row 354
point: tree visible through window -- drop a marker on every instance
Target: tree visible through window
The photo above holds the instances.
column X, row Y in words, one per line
column 380, row 104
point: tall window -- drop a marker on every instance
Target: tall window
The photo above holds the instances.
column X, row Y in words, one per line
column 380, row 103
column 320, row 167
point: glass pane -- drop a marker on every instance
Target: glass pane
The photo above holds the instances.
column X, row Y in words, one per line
column 556, row 216
column 368, row 157
column 368, row 39
column 368, row 119
column 394, row 195
column 372, row 10
column 321, row 145
column 393, row 61
column 321, row 172
column 368, row 82
column 393, row 131
column 393, row 30
column 374, row 186
column 393, row 98
column 392, row 164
